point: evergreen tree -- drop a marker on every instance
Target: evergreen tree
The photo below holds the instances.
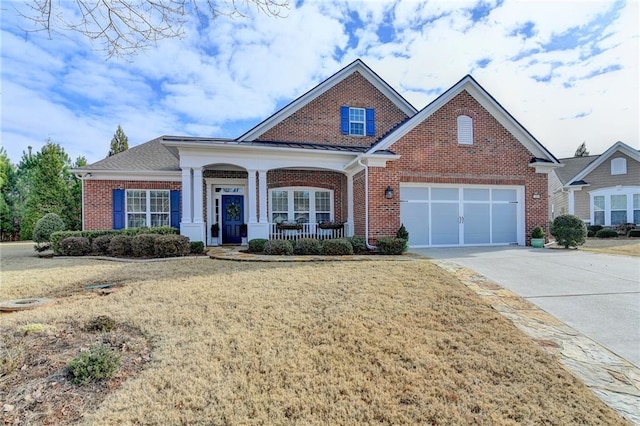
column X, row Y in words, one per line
column 8, row 181
column 49, row 188
column 74, row 219
column 582, row 150
column 119, row 142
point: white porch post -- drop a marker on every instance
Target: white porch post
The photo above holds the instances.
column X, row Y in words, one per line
column 572, row 201
column 350, row 230
column 197, row 195
column 251, row 193
column 186, row 195
column 262, row 175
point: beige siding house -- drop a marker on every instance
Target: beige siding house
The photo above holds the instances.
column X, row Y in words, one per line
column 601, row 189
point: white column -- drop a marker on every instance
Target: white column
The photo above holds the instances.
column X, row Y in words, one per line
column 572, row 201
column 251, row 194
column 186, row 195
column 350, row 224
column 197, row 195
column 262, row 175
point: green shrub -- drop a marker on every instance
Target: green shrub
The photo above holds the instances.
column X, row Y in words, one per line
column 120, row 245
column 45, row 226
column 591, row 234
column 75, row 246
column 337, row 247
column 257, row 245
column 143, row 245
column 98, row 363
column 402, row 233
column 196, row 247
column 391, row 245
column 569, row 230
column 162, row 230
column 607, row 233
column 633, row 233
column 100, row 324
column 537, row 232
column 594, row 228
column 359, row 244
column 307, row 246
column 278, row 247
column 100, row 245
column 170, row 245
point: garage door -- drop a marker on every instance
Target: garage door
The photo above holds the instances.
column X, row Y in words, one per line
column 462, row 215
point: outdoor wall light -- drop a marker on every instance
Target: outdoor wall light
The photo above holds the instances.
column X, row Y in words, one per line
column 388, row 193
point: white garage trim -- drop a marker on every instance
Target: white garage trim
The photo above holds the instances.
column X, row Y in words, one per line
column 445, row 215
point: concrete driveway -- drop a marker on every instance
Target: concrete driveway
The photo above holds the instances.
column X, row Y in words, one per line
column 596, row 294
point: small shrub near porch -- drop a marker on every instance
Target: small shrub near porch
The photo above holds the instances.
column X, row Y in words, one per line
column 569, row 230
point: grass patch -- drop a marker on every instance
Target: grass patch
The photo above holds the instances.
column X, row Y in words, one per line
column 324, row 343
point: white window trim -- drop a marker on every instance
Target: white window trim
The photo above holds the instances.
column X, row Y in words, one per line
column 619, row 166
column 148, row 211
column 312, row 201
column 629, row 191
column 363, row 122
column 465, row 130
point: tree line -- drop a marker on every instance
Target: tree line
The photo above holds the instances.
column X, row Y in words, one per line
column 41, row 183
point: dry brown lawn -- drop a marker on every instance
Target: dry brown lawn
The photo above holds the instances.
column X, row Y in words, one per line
column 228, row 343
column 620, row 246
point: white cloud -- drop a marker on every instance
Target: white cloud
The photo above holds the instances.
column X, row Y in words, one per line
column 239, row 71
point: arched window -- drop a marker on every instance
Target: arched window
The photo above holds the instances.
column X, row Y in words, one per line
column 465, row 130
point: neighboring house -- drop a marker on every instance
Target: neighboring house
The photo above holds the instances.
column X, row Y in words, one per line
column 352, row 151
column 601, row 189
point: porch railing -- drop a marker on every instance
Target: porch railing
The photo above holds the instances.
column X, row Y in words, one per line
column 306, row 230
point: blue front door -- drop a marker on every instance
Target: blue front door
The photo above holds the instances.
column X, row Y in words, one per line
column 232, row 218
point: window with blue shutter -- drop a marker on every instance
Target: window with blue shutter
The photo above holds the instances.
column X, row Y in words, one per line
column 118, row 208
column 344, row 120
column 371, row 122
column 175, row 209
column 357, row 121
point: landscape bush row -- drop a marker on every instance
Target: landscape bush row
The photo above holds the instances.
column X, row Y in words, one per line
column 623, row 229
column 331, row 247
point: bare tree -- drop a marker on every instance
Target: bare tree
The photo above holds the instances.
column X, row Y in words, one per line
column 124, row 27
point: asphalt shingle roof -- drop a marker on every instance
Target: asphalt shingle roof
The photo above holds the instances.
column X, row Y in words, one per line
column 573, row 166
column 151, row 156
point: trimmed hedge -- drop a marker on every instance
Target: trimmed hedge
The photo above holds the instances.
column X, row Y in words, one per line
column 359, row 244
column 633, row 233
column 58, row 236
column 392, row 246
column 257, row 245
column 594, row 228
column 278, row 247
column 75, row 246
column 120, row 245
column 171, row 246
column 47, row 225
column 142, row 245
column 607, row 233
column 100, row 245
column 196, row 247
column 307, row 246
column 337, row 247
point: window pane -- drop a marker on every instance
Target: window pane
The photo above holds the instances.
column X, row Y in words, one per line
column 323, row 201
column 598, row 203
column 510, row 195
column 636, row 217
column 136, row 220
column 301, row 201
column 279, row 217
column 618, row 217
column 356, row 114
column 598, row 218
column 356, row 128
column 136, row 201
column 636, row 201
column 159, row 219
column 323, row 217
column 618, row 202
column 279, row 201
column 159, row 201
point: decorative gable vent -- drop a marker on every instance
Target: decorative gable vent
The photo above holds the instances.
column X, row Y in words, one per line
column 465, row 130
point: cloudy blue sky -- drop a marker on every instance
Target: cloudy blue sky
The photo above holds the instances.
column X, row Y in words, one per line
column 568, row 71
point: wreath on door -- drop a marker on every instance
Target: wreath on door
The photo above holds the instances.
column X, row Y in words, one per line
column 233, row 211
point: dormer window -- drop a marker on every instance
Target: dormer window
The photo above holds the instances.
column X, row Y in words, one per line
column 619, row 166
column 465, row 130
column 357, row 121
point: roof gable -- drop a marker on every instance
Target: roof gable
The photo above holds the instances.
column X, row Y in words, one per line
column 471, row 86
column 616, row 147
column 297, row 104
column 572, row 166
column 149, row 156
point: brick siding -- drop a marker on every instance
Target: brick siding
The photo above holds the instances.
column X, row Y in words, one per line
column 319, row 120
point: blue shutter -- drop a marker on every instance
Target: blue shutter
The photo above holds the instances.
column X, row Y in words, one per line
column 175, row 208
column 118, row 208
column 371, row 122
column 344, row 120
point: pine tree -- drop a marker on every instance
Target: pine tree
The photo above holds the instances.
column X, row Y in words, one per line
column 8, row 190
column 119, row 142
column 582, row 150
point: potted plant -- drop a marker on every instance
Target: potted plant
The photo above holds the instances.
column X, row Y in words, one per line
column 537, row 237
column 284, row 226
column 215, row 230
column 331, row 225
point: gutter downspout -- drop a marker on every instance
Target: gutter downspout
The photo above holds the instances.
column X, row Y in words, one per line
column 366, row 205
